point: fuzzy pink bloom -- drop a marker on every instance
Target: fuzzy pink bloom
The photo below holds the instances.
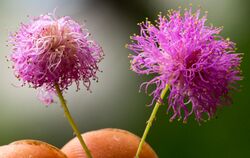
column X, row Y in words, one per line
column 197, row 63
column 49, row 50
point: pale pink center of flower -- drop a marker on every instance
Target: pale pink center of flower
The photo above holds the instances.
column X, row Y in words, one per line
column 58, row 39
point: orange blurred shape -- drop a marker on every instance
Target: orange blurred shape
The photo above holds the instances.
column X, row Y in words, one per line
column 30, row 149
column 108, row 143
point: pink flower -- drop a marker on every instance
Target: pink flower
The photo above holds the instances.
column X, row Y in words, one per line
column 49, row 50
column 197, row 63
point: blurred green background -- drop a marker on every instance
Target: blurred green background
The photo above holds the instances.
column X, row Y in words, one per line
column 115, row 101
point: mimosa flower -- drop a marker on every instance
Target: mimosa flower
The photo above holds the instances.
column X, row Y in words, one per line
column 197, row 63
column 49, row 50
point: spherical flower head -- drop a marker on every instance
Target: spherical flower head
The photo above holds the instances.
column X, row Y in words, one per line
column 49, row 50
column 197, row 63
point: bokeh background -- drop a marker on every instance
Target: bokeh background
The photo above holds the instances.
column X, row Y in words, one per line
column 115, row 100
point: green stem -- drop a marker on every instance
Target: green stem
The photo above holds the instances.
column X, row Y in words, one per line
column 71, row 121
column 150, row 121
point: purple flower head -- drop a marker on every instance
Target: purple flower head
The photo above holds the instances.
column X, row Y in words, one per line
column 49, row 50
column 193, row 59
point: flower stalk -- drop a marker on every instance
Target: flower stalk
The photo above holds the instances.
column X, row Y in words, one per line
column 71, row 121
column 151, row 119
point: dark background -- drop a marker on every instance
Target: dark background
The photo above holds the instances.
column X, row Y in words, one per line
column 115, row 101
